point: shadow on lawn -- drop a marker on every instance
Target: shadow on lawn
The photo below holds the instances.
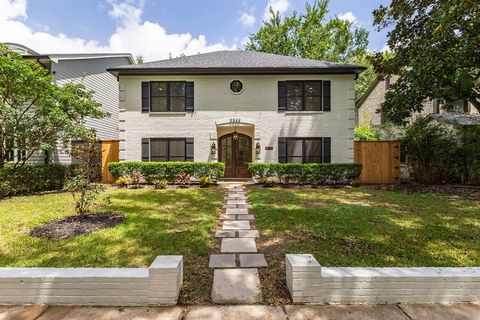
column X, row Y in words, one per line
column 384, row 229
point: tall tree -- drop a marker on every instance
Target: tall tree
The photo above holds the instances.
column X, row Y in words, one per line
column 35, row 114
column 311, row 35
column 436, row 54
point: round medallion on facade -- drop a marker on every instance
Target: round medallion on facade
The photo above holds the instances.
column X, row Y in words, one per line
column 236, row 86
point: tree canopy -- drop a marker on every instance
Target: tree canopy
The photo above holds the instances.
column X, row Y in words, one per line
column 312, row 35
column 35, row 113
column 436, row 54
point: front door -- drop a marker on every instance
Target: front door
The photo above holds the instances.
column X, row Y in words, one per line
column 235, row 150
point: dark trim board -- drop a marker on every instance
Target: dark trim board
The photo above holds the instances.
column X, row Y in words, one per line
column 231, row 71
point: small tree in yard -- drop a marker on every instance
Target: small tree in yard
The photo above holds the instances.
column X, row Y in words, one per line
column 83, row 190
column 36, row 114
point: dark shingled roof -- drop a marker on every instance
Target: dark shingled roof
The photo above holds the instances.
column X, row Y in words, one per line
column 237, row 62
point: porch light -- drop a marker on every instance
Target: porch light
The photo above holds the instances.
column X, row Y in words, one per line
column 213, row 148
column 257, row 148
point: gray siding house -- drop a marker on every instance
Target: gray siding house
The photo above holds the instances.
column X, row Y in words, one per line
column 237, row 107
column 91, row 70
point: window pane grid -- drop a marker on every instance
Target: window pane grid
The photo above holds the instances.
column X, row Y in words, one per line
column 170, row 149
column 167, row 96
column 303, row 150
column 304, row 95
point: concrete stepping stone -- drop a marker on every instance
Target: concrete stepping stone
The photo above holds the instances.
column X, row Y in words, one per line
column 236, row 286
column 243, row 201
column 253, row 260
column 246, row 217
column 230, row 198
column 222, row 261
column 236, row 211
column 228, row 217
column 225, row 234
column 230, row 245
column 239, row 206
column 248, row 234
column 236, row 225
column 237, row 194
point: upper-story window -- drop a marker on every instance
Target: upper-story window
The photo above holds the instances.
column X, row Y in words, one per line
column 167, row 96
column 308, row 95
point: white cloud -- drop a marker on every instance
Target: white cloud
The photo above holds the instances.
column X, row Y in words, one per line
column 247, row 19
column 132, row 34
column 13, row 9
column 280, row 6
column 349, row 16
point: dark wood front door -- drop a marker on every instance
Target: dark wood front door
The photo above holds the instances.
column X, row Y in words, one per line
column 235, row 150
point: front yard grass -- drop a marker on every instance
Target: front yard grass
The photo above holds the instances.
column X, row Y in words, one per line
column 158, row 222
column 364, row 226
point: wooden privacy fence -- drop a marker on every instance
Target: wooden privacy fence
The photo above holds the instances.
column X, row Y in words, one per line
column 110, row 153
column 380, row 161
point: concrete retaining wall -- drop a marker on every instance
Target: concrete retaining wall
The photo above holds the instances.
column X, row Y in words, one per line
column 308, row 282
column 159, row 284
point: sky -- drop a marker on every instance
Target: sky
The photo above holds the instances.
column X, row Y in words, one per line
column 156, row 29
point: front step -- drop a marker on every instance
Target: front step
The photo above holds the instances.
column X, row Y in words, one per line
column 236, row 286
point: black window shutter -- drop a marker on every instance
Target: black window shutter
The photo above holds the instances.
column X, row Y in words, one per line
column 282, row 95
column 145, row 149
column 145, row 96
column 327, row 149
column 326, row 95
column 282, row 150
column 189, row 96
column 189, row 149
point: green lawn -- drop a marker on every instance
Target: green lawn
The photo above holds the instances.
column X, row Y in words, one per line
column 369, row 227
column 158, row 222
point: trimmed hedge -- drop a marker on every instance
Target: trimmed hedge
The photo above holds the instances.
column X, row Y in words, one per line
column 313, row 173
column 33, row 178
column 167, row 170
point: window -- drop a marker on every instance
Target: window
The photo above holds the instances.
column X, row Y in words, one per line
column 167, row 149
column 460, row 106
column 309, row 95
column 387, row 83
column 435, row 107
column 236, row 86
column 167, row 96
column 304, row 150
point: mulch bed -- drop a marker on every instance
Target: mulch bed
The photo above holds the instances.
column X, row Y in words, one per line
column 77, row 225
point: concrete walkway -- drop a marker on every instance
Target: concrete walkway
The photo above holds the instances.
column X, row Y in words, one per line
column 235, row 279
column 255, row 312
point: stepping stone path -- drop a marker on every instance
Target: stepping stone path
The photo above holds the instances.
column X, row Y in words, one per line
column 235, row 279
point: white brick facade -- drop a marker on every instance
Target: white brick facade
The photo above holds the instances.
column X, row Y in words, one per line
column 159, row 284
column 256, row 106
column 308, row 282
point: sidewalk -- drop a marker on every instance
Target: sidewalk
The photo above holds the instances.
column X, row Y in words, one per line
column 251, row 312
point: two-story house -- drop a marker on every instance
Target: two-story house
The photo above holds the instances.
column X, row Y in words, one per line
column 237, row 107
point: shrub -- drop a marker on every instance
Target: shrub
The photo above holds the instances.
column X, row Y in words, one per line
column 437, row 152
column 160, row 183
column 29, row 178
column 122, row 182
column 313, row 173
column 170, row 171
column 205, row 181
column 366, row 133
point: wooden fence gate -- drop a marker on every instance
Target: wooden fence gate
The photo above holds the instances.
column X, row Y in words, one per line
column 110, row 153
column 380, row 161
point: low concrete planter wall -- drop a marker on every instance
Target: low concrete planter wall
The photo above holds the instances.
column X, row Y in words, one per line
column 159, row 284
column 308, row 282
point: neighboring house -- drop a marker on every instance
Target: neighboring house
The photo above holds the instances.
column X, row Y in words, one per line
column 368, row 104
column 237, row 107
column 91, row 70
